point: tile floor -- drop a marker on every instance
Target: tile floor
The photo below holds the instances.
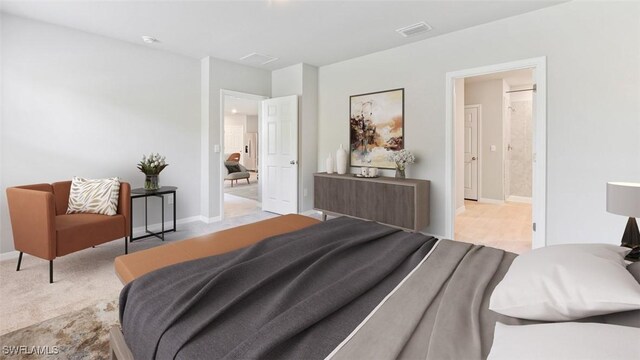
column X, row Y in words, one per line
column 504, row 226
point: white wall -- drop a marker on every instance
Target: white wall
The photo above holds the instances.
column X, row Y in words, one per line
column 287, row 81
column 80, row 104
column 252, row 123
column 308, row 134
column 302, row 80
column 593, row 106
column 221, row 75
column 489, row 94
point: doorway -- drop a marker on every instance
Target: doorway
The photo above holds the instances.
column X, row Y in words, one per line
column 495, row 165
column 240, row 154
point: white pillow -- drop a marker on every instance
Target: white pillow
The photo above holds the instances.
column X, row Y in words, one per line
column 564, row 341
column 567, row 282
column 94, row 196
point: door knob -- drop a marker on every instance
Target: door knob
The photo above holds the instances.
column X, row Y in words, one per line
column 473, row 158
column 292, row 162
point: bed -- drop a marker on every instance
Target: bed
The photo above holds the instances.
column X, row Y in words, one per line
column 292, row 287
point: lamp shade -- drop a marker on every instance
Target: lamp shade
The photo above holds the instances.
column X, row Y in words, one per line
column 623, row 198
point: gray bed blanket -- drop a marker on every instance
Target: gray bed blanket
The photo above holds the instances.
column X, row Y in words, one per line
column 293, row 296
column 441, row 311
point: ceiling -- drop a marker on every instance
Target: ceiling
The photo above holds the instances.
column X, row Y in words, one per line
column 314, row 32
column 523, row 77
column 242, row 106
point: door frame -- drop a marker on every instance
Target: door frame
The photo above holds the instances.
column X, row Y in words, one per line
column 223, row 94
column 479, row 142
column 539, row 179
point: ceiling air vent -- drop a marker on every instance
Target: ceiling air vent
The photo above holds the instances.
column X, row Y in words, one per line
column 415, row 29
column 258, row 59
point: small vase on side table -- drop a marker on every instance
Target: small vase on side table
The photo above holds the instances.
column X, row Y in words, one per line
column 151, row 182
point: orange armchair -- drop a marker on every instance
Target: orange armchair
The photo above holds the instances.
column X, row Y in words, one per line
column 41, row 226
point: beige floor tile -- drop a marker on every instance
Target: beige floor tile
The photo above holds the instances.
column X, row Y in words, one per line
column 505, row 226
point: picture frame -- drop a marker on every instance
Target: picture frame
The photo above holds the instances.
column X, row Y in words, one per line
column 376, row 127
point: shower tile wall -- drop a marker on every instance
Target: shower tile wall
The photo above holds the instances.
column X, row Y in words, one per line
column 521, row 156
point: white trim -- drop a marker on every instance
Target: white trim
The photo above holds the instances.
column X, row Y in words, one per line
column 540, row 142
column 241, row 95
column 460, row 210
column 490, row 201
column 9, row 255
column 355, row 331
column 210, row 220
column 519, row 199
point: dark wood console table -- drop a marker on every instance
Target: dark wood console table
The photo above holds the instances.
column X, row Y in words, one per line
column 402, row 203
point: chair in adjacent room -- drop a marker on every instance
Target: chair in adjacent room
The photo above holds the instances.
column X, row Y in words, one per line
column 235, row 172
column 234, row 157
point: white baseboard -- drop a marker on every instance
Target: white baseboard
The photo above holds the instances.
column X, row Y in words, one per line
column 210, row 220
column 519, row 199
column 490, row 201
column 9, row 255
column 460, row 210
column 169, row 224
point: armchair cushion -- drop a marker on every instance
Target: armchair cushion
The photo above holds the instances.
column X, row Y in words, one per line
column 94, row 196
column 79, row 231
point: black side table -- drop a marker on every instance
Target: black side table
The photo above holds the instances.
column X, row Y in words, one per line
column 142, row 193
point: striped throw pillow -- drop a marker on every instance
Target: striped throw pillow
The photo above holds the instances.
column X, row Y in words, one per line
column 94, row 196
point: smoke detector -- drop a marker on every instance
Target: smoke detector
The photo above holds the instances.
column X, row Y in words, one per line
column 149, row 39
column 258, row 59
column 415, row 29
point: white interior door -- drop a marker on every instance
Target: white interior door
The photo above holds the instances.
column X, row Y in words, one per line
column 279, row 159
column 471, row 153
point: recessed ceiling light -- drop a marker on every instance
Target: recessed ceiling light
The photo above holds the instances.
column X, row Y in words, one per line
column 414, row 29
column 233, row 111
column 149, row 39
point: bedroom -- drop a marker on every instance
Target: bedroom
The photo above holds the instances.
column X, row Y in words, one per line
column 80, row 67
